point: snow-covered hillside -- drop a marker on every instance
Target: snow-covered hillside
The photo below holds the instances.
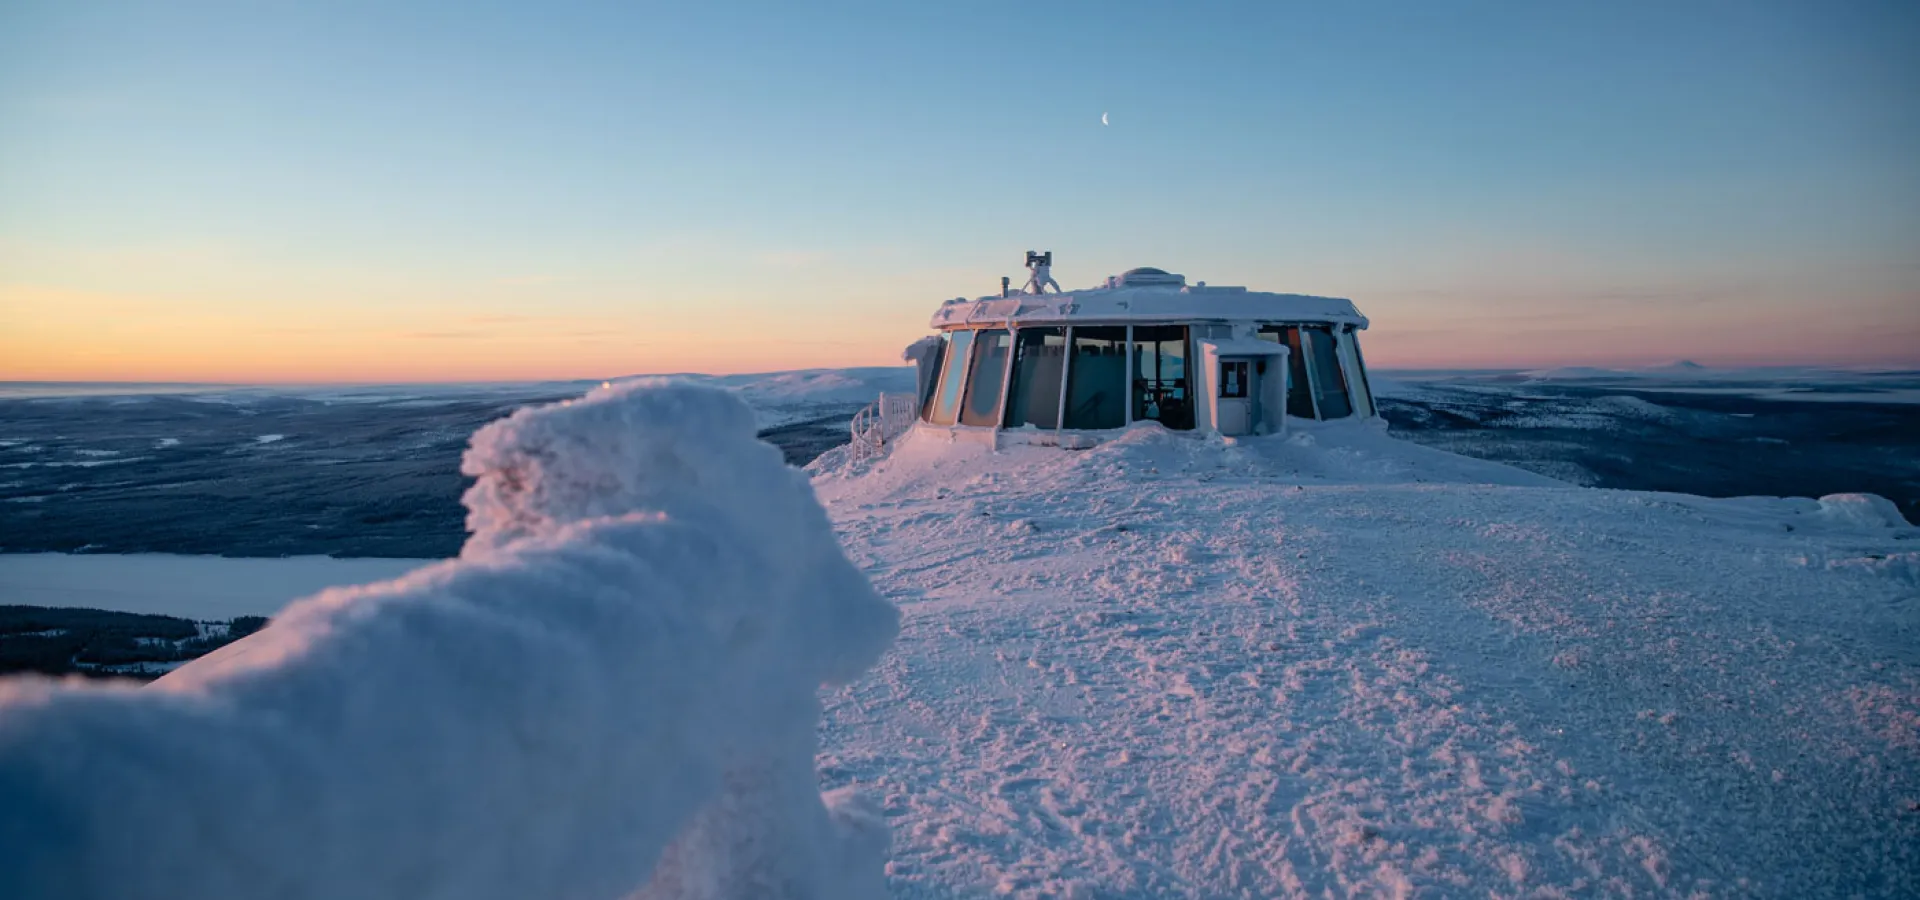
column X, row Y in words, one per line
column 781, row 397
column 1341, row 663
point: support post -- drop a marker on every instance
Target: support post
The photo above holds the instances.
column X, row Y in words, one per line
column 1066, row 372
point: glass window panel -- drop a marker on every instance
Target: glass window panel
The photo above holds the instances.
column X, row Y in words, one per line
column 1233, row 379
column 946, row 401
column 989, row 373
column 1299, row 389
column 932, row 388
column 1097, row 379
column 1329, row 382
column 1360, row 366
column 1039, row 361
column 1160, row 375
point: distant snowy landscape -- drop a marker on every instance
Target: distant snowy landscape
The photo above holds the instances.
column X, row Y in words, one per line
column 288, row 471
column 373, row 471
column 1427, row 660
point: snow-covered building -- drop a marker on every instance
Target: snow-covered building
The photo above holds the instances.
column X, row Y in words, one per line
column 1145, row 345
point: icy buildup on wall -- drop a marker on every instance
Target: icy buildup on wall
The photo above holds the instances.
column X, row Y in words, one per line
column 611, row 690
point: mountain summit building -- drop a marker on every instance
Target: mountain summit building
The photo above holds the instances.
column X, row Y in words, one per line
column 1145, row 345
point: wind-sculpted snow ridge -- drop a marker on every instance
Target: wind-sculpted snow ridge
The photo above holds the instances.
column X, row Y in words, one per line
column 612, row 690
column 1336, row 664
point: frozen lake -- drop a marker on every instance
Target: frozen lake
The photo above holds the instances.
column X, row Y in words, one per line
column 204, row 588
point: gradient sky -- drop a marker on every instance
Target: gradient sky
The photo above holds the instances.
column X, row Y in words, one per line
column 298, row 191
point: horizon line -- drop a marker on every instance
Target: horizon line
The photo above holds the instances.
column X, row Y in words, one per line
column 1676, row 367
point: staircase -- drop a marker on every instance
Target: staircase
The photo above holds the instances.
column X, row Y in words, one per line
column 881, row 423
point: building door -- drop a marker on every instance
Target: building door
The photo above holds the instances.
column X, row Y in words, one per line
column 1235, row 402
column 1160, row 376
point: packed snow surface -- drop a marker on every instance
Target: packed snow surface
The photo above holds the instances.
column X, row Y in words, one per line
column 1339, row 664
column 612, row 689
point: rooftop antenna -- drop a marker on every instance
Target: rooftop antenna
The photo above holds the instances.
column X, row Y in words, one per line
column 1040, row 263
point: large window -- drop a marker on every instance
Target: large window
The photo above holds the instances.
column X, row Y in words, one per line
column 1329, row 380
column 1039, row 361
column 946, row 401
column 1097, row 380
column 988, row 373
column 1360, row 368
column 1299, row 389
column 1160, row 375
column 932, row 388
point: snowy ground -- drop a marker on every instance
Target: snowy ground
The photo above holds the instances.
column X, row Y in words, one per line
column 1167, row 668
column 1337, row 663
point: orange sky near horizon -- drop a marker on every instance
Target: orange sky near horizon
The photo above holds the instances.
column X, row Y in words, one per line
column 65, row 335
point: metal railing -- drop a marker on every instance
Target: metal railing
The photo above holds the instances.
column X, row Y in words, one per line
column 881, row 422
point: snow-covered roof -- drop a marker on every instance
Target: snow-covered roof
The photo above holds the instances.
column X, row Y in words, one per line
column 1126, row 299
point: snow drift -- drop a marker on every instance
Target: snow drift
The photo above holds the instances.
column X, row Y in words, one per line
column 611, row 690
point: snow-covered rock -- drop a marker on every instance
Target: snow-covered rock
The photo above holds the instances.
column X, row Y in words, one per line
column 612, row 689
column 1862, row 511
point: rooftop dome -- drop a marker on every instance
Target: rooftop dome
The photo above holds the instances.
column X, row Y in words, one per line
column 1146, row 275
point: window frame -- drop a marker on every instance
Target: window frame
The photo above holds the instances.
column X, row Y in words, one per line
column 947, row 368
column 933, row 381
column 1296, row 362
column 1314, row 371
column 967, row 398
column 1015, row 385
column 1188, row 380
column 1360, row 369
column 1125, row 339
column 1245, row 368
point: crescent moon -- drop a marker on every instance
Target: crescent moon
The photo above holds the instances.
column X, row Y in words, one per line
column 1103, row 118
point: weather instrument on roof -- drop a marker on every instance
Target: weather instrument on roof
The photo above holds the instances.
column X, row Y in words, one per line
column 1041, row 265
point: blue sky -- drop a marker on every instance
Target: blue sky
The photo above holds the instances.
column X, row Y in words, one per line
column 507, row 190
